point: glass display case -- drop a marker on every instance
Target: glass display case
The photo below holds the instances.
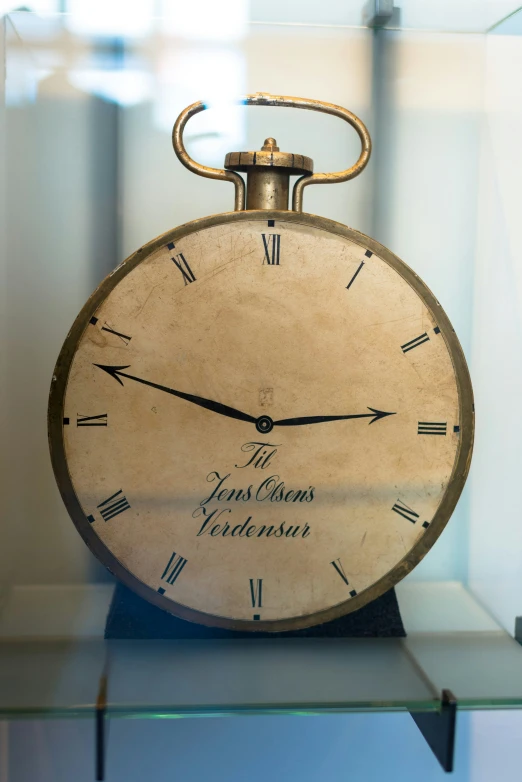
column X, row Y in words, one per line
column 91, row 91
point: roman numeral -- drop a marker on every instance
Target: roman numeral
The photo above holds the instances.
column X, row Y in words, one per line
column 425, row 427
column 174, row 567
column 338, row 566
column 272, row 245
column 113, row 506
column 124, row 338
column 256, row 592
column 340, row 570
column 406, row 512
column 414, row 343
column 355, row 275
column 91, row 420
column 186, row 271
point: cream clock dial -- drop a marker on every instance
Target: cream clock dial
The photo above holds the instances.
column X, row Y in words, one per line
column 261, row 420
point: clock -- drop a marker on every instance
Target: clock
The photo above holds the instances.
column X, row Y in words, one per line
column 261, row 420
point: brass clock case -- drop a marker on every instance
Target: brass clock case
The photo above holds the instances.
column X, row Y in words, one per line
column 403, row 567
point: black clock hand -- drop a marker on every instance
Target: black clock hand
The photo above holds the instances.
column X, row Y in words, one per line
column 216, row 407
column 375, row 415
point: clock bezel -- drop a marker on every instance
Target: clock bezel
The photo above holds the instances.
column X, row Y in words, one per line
column 393, row 576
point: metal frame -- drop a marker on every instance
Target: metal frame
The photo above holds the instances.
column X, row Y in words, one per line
column 439, row 728
column 285, row 101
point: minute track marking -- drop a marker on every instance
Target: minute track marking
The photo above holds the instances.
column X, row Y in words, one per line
column 264, row 423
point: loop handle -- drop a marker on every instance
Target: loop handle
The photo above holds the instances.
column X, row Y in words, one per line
column 264, row 99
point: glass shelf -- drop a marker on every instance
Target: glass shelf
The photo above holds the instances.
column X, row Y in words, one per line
column 59, row 674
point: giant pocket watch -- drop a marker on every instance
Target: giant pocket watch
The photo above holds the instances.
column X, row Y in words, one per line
column 262, row 419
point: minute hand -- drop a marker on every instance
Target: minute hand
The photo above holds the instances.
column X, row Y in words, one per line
column 375, row 415
column 209, row 404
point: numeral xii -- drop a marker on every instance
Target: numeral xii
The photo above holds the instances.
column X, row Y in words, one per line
column 272, row 247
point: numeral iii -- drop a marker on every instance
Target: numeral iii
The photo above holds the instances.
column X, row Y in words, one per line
column 426, row 427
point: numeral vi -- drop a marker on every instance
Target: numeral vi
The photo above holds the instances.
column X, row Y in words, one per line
column 256, row 592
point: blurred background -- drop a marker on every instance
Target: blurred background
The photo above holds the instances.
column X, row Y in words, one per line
column 91, row 90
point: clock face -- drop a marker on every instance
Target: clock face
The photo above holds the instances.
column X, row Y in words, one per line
column 261, row 423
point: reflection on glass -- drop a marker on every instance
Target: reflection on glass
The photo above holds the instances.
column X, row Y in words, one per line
column 114, row 18
column 217, row 76
column 205, row 19
column 126, row 87
column 40, row 6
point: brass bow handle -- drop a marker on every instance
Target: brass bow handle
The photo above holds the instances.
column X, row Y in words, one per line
column 264, row 99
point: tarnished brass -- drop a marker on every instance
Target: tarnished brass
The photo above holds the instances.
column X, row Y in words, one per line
column 268, row 190
column 268, row 174
column 197, row 168
column 270, row 156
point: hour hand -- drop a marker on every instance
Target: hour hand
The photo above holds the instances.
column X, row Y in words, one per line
column 208, row 404
column 375, row 415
